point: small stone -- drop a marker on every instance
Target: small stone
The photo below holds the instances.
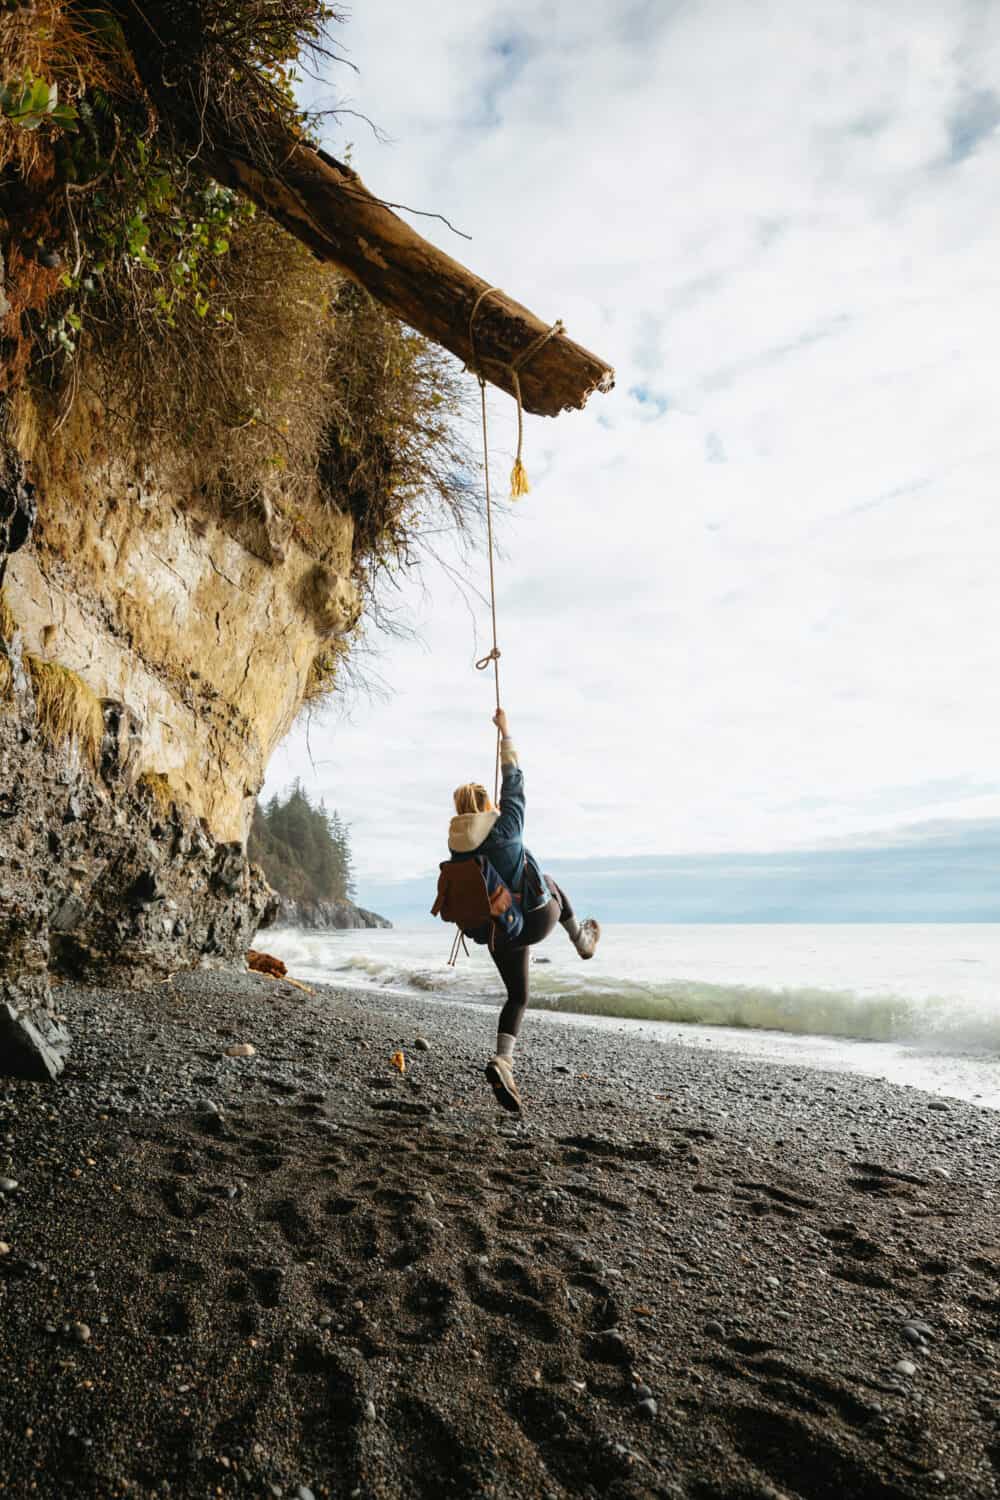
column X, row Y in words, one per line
column 641, row 1392
column 906, row 1367
column 241, row 1049
column 647, row 1409
column 81, row 1333
column 773, row 1281
column 421, row 1044
column 304, row 1493
column 913, row 1334
column 369, row 1411
column 8, row 1185
column 207, row 1107
column 715, row 1330
column 4, row 1248
column 611, row 1345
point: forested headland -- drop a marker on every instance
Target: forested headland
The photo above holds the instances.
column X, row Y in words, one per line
column 303, row 849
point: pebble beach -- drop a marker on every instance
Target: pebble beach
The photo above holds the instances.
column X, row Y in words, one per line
column 242, row 1254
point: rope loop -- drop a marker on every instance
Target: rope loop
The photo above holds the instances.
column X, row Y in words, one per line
column 484, row 661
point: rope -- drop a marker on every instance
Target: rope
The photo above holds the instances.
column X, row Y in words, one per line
column 494, row 654
column 518, row 477
column 518, row 480
column 458, row 946
column 518, row 486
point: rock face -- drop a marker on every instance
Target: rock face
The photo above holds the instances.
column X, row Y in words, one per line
column 97, row 878
column 190, row 637
column 204, row 627
column 321, row 915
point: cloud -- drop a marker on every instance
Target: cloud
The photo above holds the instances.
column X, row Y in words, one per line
column 751, row 601
column 973, row 122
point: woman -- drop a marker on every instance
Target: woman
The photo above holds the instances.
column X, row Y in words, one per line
column 479, row 828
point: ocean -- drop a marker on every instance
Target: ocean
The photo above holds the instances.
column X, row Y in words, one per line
column 916, row 1004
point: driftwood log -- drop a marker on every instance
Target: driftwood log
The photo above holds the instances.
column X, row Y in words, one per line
column 325, row 204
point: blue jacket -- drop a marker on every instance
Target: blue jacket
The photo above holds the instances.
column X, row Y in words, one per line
column 500, row 837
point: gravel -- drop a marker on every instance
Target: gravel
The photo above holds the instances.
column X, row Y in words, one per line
column 396, row 1290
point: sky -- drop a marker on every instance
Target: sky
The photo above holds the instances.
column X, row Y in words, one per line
column 751, row 602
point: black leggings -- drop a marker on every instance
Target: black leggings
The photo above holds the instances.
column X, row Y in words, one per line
column 512, row 958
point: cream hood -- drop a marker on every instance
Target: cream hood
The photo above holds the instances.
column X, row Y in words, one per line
column 468, row 830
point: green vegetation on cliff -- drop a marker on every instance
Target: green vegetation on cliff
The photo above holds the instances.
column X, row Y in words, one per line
column 303, row 850
column 211, row 343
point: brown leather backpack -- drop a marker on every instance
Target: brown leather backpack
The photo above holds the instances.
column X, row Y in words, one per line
column 471, row 894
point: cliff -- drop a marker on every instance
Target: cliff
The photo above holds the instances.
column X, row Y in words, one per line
column 321, row 916
column 153, row 656
column 157, row 640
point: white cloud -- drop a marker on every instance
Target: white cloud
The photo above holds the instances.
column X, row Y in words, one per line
column 750, row 620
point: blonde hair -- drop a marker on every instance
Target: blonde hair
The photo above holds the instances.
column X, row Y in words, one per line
column 472, row 798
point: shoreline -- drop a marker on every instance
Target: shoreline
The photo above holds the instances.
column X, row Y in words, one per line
column 917, row 1067
column 683, row 1273
column 922, row 1013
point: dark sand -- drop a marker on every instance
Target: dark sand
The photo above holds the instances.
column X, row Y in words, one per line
column 682, row 1275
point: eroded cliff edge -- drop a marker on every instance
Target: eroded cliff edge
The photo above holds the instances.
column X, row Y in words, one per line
column 155, row 646
column 152, row 656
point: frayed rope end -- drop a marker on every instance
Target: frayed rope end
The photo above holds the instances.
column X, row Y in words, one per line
column 519, row 480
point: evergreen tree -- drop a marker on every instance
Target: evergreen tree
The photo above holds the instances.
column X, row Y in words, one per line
column 304, row 850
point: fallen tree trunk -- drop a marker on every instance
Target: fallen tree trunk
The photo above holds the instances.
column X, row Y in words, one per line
column 326, row 205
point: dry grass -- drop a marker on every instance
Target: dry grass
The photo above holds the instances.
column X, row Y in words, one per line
column 312, row 399
column 395, row 455
column 324, row 671
column 67, row 710
column 158, row 787
column 7, row 622
column 247, row 400
column 7, row 627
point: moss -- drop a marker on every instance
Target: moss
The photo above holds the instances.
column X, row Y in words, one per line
column 324, row 671
column 7, row 622
column 7, row 627
column 67, row 710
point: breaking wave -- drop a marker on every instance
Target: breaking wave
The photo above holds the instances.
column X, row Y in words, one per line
column 942, row 1022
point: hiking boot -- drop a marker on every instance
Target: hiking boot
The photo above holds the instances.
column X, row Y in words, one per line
column 587, row 938
column 500, row 1077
